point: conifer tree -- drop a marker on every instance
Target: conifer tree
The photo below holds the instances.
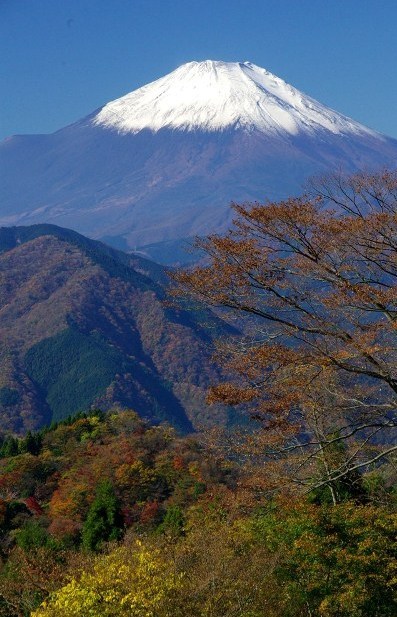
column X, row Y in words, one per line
column 104, row 521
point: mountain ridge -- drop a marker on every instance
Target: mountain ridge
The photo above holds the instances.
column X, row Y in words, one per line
column 83, row 325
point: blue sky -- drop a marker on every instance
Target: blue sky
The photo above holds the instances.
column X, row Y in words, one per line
column 61, row 59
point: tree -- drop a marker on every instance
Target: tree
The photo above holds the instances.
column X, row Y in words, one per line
column 31, row 443
column 103, row 522
column 9, row 447
column 332, row 561
column 129, row 581
column 315, row 279
column 174, row 522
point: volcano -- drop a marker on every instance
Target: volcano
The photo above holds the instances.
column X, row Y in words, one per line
column 162, row 164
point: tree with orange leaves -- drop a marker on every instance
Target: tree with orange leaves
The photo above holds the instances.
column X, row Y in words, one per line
column 316, row 279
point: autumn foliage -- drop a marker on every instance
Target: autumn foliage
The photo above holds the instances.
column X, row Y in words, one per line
column 313, row 283
column 114, row 517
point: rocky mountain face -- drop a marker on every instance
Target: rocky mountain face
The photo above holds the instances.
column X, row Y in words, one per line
column 162, row 164
column 83, row 325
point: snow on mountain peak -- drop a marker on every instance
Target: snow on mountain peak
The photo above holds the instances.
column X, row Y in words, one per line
column 214, row 95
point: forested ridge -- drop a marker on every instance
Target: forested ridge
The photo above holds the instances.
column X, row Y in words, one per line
column 83, row 325
column 104, row 514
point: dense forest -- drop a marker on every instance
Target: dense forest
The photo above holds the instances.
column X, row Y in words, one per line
column 104, row 514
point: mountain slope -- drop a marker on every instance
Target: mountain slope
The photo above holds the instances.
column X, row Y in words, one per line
column 84, row 325
column 163, row 163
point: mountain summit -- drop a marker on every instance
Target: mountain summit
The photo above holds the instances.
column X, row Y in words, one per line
column 162, row 164
column 215, row 96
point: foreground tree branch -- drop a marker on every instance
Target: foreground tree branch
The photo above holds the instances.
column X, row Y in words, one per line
column 320, row 272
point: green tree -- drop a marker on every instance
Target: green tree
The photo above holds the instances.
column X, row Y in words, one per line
column 335, row 561
column 9, row 447
column 104, row 521
column 174, row 522
column 31, row 443
column 32, row 536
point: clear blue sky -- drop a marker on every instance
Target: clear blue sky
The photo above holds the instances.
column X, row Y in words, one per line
column 61, row 59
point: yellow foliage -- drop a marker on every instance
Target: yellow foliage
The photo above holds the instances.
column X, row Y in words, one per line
column 134, row 474
column 129, row 581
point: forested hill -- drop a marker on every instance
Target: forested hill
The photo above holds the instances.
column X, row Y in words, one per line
column 83, row 325
column 104, row 515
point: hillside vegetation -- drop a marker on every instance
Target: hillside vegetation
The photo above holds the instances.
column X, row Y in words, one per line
column 84, row 325
column 104, row 514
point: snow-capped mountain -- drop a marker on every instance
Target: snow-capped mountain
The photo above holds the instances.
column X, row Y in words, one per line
column 215, row 96
column 164, row 162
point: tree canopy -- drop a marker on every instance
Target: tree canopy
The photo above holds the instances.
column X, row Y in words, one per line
column 315, row 278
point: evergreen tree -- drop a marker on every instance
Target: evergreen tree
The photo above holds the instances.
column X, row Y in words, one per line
column 31, row 443
column 104, row 521
column 174, row 522
column 9, row 447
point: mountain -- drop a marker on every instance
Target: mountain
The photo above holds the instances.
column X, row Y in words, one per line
column 163, row 163
column 83, row 325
